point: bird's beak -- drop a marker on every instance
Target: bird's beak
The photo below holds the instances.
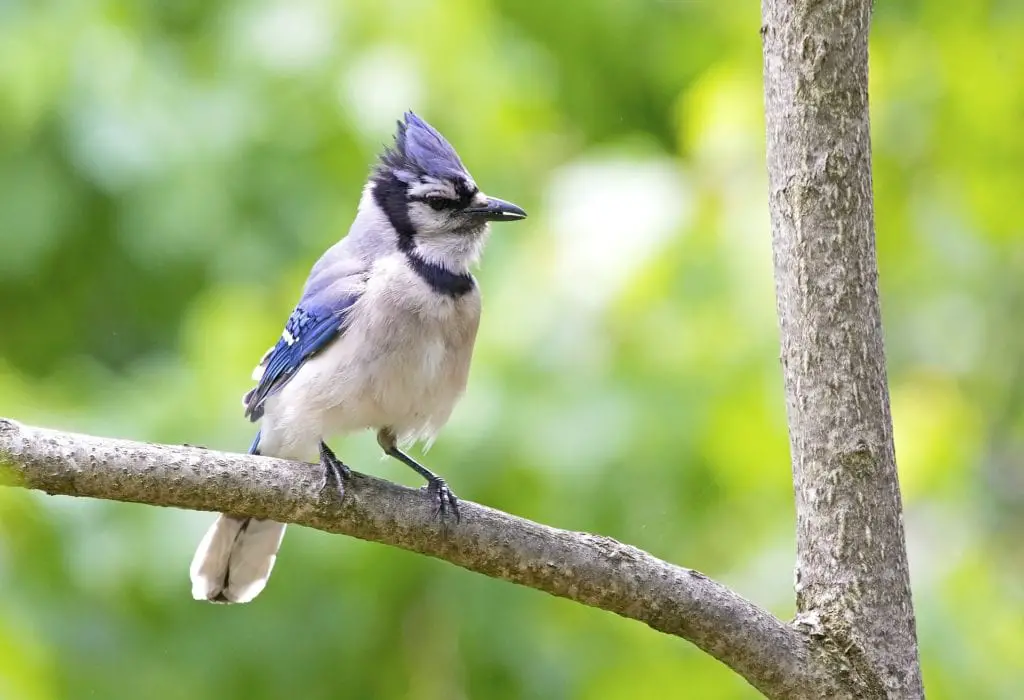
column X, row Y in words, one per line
column 497, row 210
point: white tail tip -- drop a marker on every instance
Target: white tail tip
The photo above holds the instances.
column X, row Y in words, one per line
column 234, row 559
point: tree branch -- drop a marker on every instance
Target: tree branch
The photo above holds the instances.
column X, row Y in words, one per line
column 852, row 572
column 780, row 660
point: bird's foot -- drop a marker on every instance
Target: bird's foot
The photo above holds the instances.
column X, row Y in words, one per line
column 445, row 502
column 336, row 473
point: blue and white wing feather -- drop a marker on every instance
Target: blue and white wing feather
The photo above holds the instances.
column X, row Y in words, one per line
column 310, row 328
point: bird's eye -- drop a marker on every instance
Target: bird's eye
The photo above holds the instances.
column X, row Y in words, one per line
column 439, row 203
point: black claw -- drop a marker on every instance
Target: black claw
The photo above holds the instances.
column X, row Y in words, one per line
column 445, row 502
column 334, row 470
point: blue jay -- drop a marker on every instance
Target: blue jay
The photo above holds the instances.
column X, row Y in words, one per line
column 381, row 338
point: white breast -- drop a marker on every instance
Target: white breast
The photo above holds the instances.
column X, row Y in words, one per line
column 402, row 363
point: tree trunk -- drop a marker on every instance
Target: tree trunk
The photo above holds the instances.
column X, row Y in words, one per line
column 852, row 580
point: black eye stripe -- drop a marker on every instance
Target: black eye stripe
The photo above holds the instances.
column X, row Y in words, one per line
column 438, row 203
column 464, row 192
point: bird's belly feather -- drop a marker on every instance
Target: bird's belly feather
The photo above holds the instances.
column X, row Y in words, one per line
column 404, row 369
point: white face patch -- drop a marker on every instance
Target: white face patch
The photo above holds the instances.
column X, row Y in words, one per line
column 432, row 187
column 444, row 235
column 428, row 186
column 430, row 223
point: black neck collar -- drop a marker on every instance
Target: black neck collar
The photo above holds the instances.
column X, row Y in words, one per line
column 441, row 280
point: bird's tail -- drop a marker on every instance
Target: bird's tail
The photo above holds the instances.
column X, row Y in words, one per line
column 235, row 557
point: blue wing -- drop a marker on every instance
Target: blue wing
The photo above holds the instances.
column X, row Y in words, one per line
column 306, row 333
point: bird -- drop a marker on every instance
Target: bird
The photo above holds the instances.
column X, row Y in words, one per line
column 380, row 339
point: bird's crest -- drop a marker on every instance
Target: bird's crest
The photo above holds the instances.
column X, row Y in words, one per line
column 421, row 150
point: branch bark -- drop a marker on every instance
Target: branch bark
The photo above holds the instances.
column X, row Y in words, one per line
column 851, row 574
column 781, row 660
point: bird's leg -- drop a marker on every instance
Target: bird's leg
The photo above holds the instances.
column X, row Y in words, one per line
column 334, row 469
column 445, row 501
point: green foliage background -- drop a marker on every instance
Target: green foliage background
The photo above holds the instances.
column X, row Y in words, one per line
column 170, row 170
